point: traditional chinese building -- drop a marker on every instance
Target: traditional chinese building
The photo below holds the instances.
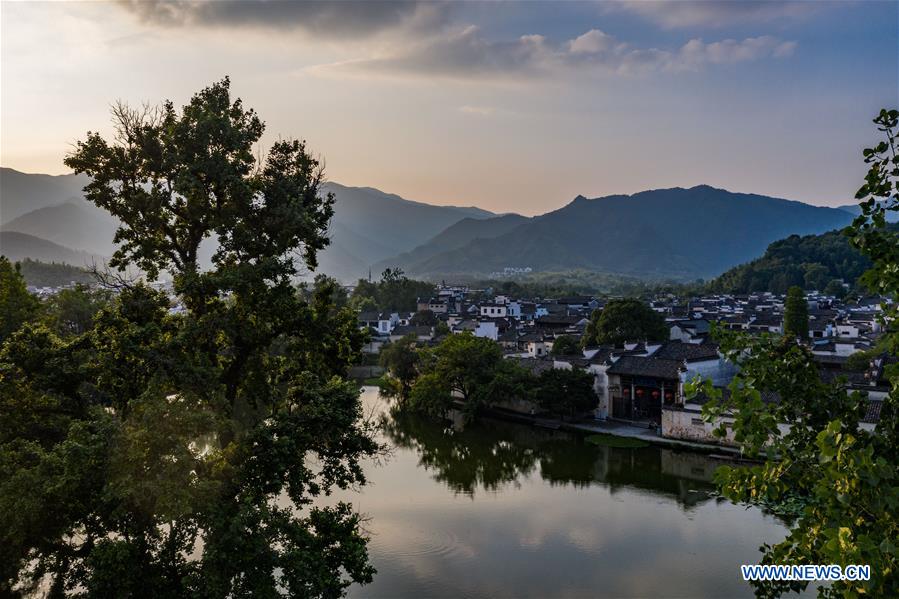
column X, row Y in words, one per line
column 639, row 386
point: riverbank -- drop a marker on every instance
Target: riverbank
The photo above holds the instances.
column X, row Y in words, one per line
column 615, row 428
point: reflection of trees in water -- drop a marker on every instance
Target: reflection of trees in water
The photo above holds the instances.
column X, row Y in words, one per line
column 480, row 455
column 491, row 453
column 567, row 460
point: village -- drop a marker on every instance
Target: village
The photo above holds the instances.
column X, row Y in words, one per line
column 640, row 385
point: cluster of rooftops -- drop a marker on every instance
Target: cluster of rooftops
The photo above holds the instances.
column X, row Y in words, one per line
column 835, row 328
column 527, row 329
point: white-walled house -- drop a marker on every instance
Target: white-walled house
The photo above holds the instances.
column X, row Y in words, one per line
column 688, row 330
column 487, row 329
column 847, row 329
column 494, row 310
column 381, row 322
column 433, row 304
column 684, row 419
column 836, row 346
column 597, row 366
column 534, row 344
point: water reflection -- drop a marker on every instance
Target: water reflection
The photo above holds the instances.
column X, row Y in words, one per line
column 490, row 454
column 500, row 509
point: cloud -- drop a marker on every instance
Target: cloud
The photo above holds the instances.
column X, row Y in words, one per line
column 477, row 110
column 339, row 19
column 460, row 54
column 715, row 13
column 695, row 53
column 466, row 54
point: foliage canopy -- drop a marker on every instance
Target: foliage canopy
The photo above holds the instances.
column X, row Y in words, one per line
column 395, row 292
column 173, row 450
column 812, row 262
column 17, row 305
column 624, row 320
column 846, row 475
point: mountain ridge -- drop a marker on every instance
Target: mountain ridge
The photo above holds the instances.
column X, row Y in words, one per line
column 456, row 236
column 677, row 232
column 18, row 246
column 683, row 232
column 368, row 225
column 24, row 192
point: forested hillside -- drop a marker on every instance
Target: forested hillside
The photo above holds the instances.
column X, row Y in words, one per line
column 810, row 261
column 663, row 233
column 53, row 274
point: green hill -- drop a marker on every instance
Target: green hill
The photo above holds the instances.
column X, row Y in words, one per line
column 811, row 261
column 53, row 274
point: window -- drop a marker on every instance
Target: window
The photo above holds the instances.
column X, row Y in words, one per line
column 697, row 422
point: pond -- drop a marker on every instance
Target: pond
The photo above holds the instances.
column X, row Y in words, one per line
column 501, row 509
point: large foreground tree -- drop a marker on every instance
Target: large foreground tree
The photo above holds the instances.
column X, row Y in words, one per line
column 846, row 476
column 179, row 452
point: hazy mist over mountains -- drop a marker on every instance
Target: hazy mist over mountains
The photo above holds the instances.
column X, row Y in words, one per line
column 46, row 217
column 670, row 233
column 674, row 233
column 370, row 226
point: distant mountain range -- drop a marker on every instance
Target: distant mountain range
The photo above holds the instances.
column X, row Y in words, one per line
column 456, row 236
column 668, row 233
column 664, row 233
column 21, row 193
column 368, row 226
column 74, row 224
column 855, row 210
column 18, row 246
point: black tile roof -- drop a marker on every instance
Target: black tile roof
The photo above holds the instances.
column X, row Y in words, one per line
column 831, row 359
column 533, row 336
column 556, row 320
column 606, row 353
column 700, row 325
column 649, row 367
column 575, row 360
column 767, row 320
column 691, row 352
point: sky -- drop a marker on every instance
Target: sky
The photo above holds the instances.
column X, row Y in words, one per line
column 510, row 106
